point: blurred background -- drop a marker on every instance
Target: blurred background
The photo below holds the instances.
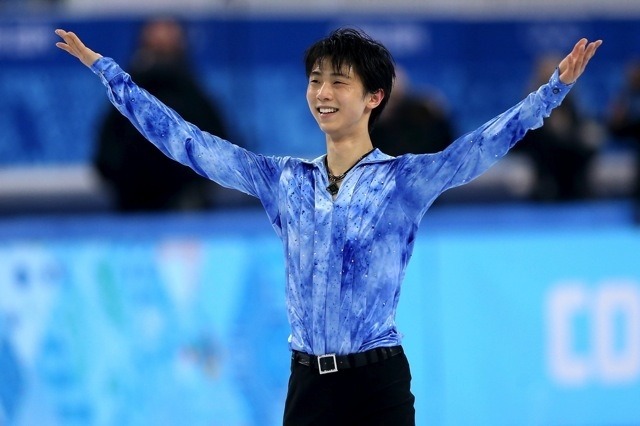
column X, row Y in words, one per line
column 133, row 292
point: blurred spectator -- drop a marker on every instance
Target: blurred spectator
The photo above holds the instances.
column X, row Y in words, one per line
column 624, row 120
column 141, row 177
column 412, row 122
column 563, row 149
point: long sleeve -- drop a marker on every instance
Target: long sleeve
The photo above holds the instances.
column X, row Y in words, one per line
column 425, row 177
column 210, row 156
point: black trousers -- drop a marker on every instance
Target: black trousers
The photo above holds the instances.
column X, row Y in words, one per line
column 374, row 394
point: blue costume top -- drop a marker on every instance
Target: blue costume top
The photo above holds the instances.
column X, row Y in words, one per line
column 345, row 258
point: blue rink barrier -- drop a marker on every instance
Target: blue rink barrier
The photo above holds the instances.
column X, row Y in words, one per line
column 169, row 320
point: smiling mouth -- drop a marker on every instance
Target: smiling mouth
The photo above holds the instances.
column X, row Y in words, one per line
column 325, row 110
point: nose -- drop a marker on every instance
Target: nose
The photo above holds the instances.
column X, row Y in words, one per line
column 324, row 92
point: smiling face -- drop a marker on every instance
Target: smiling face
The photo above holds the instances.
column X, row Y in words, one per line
column 338, row 101
column 356, row 55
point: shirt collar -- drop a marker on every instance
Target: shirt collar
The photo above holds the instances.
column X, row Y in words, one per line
column 375, row 157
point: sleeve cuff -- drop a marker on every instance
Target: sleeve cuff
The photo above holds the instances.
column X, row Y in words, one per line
column 558, row 86
column 555, row 91
column 106, row 69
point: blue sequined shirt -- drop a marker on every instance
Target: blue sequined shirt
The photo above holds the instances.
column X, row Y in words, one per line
column 345, row 258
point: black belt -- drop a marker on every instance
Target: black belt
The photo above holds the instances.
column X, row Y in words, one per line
column 330, row 363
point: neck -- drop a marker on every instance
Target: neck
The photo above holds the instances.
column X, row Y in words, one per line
column 342, row 155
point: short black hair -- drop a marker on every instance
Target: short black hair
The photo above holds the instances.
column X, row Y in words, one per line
column 369, row 58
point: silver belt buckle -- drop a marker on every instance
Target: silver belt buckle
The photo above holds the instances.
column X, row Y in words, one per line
column 323, row 370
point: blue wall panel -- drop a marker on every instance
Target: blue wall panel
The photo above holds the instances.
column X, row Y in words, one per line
column 50, row 105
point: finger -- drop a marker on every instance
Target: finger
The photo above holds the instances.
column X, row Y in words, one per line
column 66, row 48
column 570, row 72
column 586, row 52
column 593, row 47
column 568, row 63
column 64, row 35
column 589, row 53
column 579, row 47
column 62, row 46
column 579, row 64
column 579, row 51
column 66, row 41
column 71, row 39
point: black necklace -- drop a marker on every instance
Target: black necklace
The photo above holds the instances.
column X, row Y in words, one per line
column 334, row 180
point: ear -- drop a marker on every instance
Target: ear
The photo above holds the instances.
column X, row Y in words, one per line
column 375, row 98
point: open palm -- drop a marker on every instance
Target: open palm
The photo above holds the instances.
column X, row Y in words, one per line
column 573, row 65
column 74, row 46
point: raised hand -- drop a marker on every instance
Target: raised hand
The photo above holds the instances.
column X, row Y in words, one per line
column 74, row 46
column 573, row 65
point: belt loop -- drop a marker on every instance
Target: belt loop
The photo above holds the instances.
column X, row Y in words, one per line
column 384, row 352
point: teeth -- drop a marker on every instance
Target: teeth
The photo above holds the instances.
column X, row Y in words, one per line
column 327, row 110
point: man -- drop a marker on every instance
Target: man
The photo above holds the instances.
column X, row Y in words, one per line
column 562, row 151
column 413, row 122
column 624, row 122
column 347, row 220
column 142, row 178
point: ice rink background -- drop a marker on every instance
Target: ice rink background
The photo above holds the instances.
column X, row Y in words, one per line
column 513, row 314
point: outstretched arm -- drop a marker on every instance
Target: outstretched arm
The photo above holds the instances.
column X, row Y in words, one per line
column 208, row 155
column 573, row 65
column 427, row 176
column 74, row 46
